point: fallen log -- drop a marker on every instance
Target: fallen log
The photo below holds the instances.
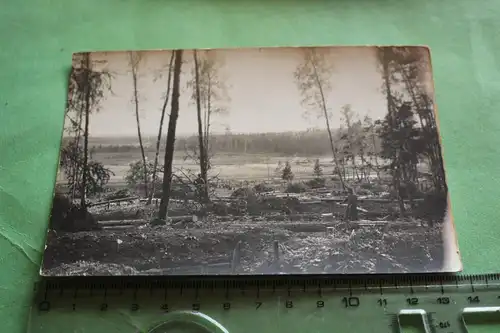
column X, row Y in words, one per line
column 118, row 227
column 173, row 219
column 265, row 218
column 304, row 227
column 184, row 218
column 152, row 200
column 108, row 202
column 376, row 200
column 179, row 201
column 122, row 222
column 295, row 217
column 312, row 202
column 386, row 224
column 224, row 199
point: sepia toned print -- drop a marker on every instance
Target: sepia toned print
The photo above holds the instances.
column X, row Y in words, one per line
column 251, row 161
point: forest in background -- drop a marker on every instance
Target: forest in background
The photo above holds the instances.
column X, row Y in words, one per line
column 307, row 143
column 407, row 136
column 380, row 155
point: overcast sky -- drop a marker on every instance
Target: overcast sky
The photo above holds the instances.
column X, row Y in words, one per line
column 260, row 83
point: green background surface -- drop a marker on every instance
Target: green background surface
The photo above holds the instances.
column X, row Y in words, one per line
column 38, row 37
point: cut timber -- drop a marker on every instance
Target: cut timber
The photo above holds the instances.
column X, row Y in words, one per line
column 369, row 223
column 375, row 215
column 173, row 219
column 312, row 202
column 367, row 200
column 183, row 218
column 118, row 201
column 179, row 201
column 118, row 227
column 294, row 217
column 114, row 223
column 226, row 199
column 387, row 224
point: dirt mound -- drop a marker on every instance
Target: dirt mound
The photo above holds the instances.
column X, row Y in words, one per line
column 161, row 247
column 66, row 216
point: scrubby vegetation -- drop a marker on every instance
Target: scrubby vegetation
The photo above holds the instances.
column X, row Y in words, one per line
column 363, row 195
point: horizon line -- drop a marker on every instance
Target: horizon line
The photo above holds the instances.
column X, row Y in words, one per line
column 196, row 134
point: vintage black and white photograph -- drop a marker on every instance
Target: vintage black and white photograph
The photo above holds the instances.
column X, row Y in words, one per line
column 300, row 160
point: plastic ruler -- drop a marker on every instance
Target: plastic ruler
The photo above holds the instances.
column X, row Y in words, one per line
column 426, row 304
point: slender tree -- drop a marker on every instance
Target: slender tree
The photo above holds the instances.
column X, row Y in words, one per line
column 209, row 94
column 160, row 129
column 86, row 89
column 371, row 145
column 411, row 66
column 72, row 170
column 349, row 138
column 83, row 191
column 202, row 143
column 135, row 58
column 71, row 159
column 386, row 56
column 313, row 80
column 170, row 144
column 405, row 142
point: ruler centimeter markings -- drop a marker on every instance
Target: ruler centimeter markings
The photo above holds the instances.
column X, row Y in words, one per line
column 433, row 304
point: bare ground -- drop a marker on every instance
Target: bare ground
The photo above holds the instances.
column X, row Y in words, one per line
column 304, row 245
column 158, row 250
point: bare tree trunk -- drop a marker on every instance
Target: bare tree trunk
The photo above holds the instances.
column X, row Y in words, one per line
column 355, row 168
column 83, row 190
column 76, row 166
column 133, row 62
column 364, row 167
column 377, row 165
column 343, row 161
column 396, row 172
column 170, row 144
column 355, row 174
column 327, row 121
column 201, row 141
column 160, row 130
column 428, row 128
column 208, row 113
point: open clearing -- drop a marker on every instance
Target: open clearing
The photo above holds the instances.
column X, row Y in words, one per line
column 148, row 250
column 312, row 241
column 227, row 166
column 307, row 235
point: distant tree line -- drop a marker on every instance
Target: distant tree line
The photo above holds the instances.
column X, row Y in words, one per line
column 396, row 144
column 307, row 143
